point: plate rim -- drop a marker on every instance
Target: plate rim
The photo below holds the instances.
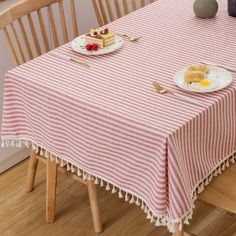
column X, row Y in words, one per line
column 195, row 91
column 99, row 53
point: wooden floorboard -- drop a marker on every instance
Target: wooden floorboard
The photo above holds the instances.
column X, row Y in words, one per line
column 23, row 214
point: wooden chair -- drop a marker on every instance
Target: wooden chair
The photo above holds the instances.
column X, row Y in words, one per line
column 13, row 26
column 109, row 10
column 221, row 192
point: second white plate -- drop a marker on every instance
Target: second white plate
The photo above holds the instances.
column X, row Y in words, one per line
column 219, row 77
column 78, row 45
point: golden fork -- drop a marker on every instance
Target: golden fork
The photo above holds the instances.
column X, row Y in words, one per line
column 131, row 38
column 162, row 90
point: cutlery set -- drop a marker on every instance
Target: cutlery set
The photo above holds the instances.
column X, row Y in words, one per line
column 162, row 90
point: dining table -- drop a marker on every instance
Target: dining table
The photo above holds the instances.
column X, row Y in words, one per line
column 107, row 122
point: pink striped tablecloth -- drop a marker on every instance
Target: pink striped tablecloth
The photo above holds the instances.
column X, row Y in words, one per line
column 107, row 121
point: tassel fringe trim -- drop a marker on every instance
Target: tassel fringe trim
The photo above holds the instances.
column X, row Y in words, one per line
column 158, row 220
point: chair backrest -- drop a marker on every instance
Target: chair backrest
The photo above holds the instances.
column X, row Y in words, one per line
column 13, row 22
column 109, row 10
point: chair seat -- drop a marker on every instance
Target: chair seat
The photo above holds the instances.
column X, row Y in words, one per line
column 221, row 192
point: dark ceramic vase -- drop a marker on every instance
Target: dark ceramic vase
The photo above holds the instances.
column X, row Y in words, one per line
column 232, row 7
column 205, row 8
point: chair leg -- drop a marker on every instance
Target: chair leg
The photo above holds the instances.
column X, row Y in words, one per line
column 51, row 190
column 32, row 168
column 178, row 231
column 93, row 198
column 181, row 232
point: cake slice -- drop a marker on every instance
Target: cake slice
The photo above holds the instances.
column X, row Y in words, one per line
column 198, row 67
column 108, row 37
column 94, row 37
column 195, row 73
column 194, row 76
column 102, row 38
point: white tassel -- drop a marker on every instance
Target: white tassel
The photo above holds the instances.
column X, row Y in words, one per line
column 190, row 215
column 200, row 188
column 232, row 160
column 96, row 181
column 79, row 173
column 7, row 143
column 18, row 143
column 57, row 161
column 41, row 152
column 206, row 181
column 142, row 206
column 120, row 194
column 68, row 167
column 163, row 220
column 37, row 149
column 227, row 163
column 194, row 195
column 108, row 187
column 51, row 157
column 158, row 223
column 72, row 169
column 210, row 178
column 101, row 183
column 137, row 202
column 113, row 190
column 215, row 173
column 62, row 163
column 186, row 221
column 223, row 166
column 219, row 170
column 181, row 226
column 149, row 215
column 46, row 154
column 146, row 209
column 132, row 200
column 85, row 176
column 2, row 145
column 126, row 197
column 152, row 219
column 27, row 143
column 89, row 177
column 12, row 144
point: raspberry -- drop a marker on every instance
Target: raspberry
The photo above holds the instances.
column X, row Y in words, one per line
column 95, row 47
column 95, row 33
column 106, row 30
column 89, row 47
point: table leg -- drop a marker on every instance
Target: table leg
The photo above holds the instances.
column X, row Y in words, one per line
column 93, row 198
column 51, row 190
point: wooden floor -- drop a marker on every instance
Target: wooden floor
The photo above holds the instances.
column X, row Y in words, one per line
column 24, row 213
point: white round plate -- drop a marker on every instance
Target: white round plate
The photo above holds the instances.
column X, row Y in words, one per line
column 78, row 45
column 219, row 77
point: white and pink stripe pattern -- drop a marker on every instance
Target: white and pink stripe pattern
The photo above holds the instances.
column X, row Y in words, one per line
column 109, row 121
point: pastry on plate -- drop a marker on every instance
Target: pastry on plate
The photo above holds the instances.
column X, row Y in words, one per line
column 101, row 37
column 94, row 37
column 108, row 37
column 194, row 76
column 198, row 67
column 195, row 73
